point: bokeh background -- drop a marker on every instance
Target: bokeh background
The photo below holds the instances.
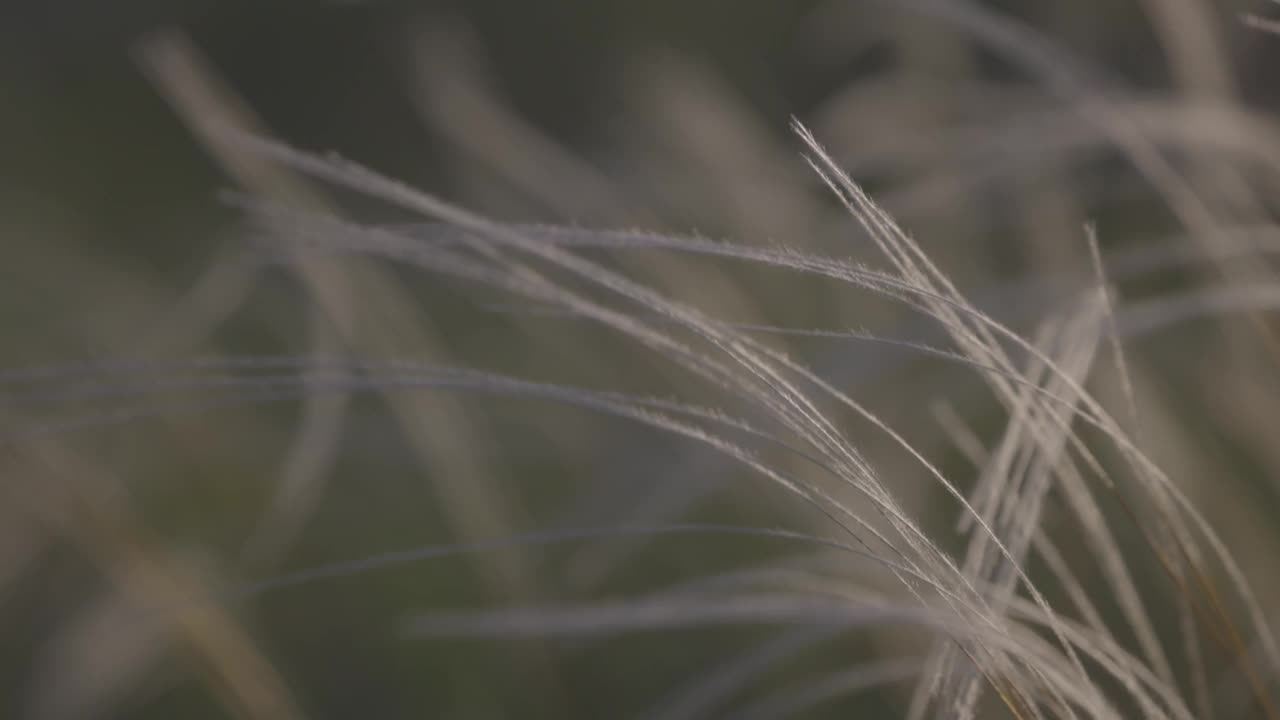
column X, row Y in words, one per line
column 119, row 242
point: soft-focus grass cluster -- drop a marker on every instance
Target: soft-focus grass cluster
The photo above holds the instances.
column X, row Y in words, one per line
column 955, row 399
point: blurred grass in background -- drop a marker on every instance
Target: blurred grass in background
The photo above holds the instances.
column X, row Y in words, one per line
column 663, row 116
